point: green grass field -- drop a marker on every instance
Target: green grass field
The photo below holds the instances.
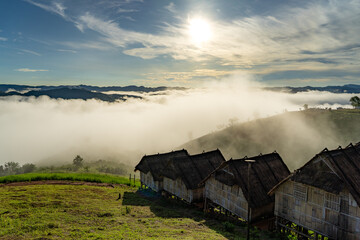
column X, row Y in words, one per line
column 93, row 212
column 87, row 177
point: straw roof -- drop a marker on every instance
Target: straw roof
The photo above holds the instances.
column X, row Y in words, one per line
column 156, row 163
column 193, row 169
column 332, row 171
column 267, row 171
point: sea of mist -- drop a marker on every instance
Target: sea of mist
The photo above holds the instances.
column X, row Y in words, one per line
column 53, row 131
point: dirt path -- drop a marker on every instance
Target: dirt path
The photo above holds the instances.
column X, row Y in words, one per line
column 58, row 182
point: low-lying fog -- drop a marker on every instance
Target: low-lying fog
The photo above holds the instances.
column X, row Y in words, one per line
column 54, row 131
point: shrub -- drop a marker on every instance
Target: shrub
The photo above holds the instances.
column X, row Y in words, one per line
column 229, row 227
column 128, row 209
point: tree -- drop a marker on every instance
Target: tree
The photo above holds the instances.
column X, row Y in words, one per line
column 78, row 161
column 233, row 121
column 355, row 101
column 28, row 168
column 306, row 107
column 11, row 168
column 2, row 171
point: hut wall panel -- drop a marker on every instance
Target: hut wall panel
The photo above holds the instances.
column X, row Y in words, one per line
column 148, row 180
column 333, row 215
column 277, row 206
column 178, row 188
column 229, row 197
column 142, row 177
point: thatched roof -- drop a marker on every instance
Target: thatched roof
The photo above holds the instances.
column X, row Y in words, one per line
column 156, row 163
column 332, row 171
column 267, row 171
column 193, row 169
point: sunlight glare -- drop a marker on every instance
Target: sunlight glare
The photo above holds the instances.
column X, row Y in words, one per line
column 199, row 30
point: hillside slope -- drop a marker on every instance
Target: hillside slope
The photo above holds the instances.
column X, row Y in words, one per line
column 296, row 136
column 348, row 88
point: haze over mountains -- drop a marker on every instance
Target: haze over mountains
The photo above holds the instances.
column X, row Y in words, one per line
column 86, row 92
column 53, row 129
column 296, row 136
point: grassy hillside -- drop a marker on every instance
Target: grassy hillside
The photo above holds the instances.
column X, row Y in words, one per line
column 296, row 136
column 87, row 177
column 92, row 212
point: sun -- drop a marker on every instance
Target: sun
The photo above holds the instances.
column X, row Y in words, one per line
column 199, row 30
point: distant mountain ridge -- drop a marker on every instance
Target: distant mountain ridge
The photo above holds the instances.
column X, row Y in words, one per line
column 83, row 92
column 130, row 88
column 71, row 93
column 95, row 92
column 348, row 88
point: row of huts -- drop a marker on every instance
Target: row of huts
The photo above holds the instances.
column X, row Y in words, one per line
column 320, row 200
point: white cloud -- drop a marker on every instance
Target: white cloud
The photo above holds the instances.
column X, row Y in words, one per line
column 171, row 7
column 30, row 51
column 3, row 39
column 247, row 41
column 79, row 26
column 30, row 70
column 55, row 7
column 67, row 50
column 123, row 10
column 184, row 78
column 328, row 30
column 89, row 45
column 111, row 31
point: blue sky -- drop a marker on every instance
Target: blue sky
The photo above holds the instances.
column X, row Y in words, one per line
column 179, row 43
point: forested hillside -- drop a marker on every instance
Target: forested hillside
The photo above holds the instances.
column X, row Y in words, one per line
column 296, row 136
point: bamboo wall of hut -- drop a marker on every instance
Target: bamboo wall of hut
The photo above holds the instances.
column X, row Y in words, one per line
column 151, row 168
column 323, row 196
column 147, row 179
column 228, row 186
column 183, row 175
column 321, row 199
column 178, row 188
column 229, row 197
column 336, row 216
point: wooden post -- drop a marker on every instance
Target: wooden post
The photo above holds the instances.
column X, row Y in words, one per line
column 205, row 205
column 134, row 179
column 249, row 196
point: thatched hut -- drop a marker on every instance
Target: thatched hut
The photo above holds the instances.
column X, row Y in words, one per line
column 151, row 168
column 227, row 186
column 183, row 174
column 322, row 198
